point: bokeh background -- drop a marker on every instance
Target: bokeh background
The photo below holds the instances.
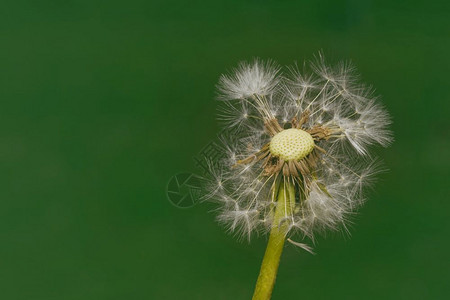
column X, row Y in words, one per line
column 102, row 102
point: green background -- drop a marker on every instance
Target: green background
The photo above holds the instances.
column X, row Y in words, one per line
column 102, row 102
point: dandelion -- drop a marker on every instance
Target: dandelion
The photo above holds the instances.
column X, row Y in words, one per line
column 294, row 154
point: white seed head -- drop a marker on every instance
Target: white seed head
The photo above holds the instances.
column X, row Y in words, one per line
column 325, row 154
column 291, row 144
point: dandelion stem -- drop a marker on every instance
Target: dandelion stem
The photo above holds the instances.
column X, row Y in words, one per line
column 271, row 260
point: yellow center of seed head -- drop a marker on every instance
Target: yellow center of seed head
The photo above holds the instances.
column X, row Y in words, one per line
column 291, row 144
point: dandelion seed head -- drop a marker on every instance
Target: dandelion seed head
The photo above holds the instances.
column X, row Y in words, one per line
column 313, row 129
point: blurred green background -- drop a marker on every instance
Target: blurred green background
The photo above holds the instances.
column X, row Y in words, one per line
column 102, row 102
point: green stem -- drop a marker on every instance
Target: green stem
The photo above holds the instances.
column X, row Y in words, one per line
column 271, row 260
